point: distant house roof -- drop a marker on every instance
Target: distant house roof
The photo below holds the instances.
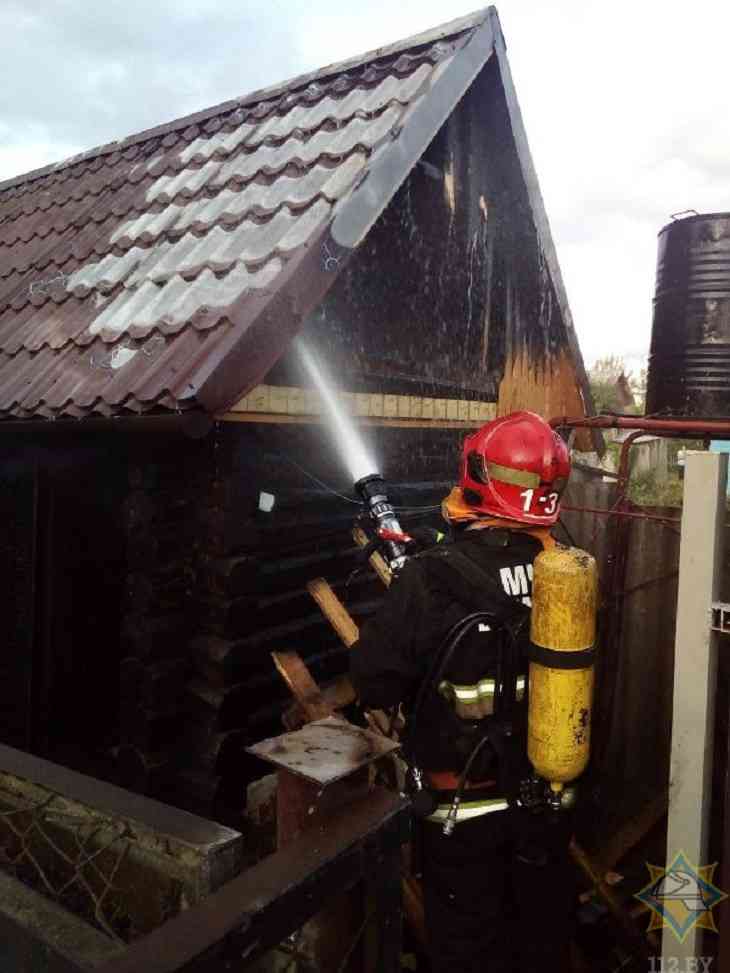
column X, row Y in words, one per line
column 170, row 270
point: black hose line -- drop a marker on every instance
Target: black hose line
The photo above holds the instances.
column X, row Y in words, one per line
column 454, row 637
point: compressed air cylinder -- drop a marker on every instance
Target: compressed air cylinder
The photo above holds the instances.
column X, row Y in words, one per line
column 562, row 633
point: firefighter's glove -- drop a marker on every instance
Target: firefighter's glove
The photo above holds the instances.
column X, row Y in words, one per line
column 422, row 538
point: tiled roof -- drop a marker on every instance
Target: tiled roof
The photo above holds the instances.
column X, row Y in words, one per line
column 170, row 270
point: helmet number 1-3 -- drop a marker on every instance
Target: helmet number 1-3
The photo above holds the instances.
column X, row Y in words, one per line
column 551, row 500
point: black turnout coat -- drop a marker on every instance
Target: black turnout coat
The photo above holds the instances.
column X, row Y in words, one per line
column 397, row 646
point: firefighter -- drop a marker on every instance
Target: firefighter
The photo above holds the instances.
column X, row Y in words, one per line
column 495, row 870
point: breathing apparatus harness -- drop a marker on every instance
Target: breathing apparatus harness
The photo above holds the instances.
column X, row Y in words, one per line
column 507, row 619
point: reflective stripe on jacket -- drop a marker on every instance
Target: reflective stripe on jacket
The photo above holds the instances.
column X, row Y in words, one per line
column 469, row 809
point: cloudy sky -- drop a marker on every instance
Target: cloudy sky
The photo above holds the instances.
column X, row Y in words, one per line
column 626, row 105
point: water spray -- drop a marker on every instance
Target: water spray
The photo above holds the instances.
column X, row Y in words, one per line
column 369, row 484
column 352, row 449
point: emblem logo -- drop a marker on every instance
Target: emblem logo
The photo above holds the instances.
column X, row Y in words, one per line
column 681, row 896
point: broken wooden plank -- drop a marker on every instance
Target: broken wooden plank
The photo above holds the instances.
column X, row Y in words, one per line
column 336, row 694
column 334, row 611
column 302, row 686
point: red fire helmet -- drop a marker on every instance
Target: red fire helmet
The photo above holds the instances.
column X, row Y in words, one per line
column 516, row 467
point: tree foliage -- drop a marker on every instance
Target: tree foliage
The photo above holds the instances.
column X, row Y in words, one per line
column 612, row 386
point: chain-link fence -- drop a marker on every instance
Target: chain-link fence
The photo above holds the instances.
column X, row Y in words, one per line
column 115, row 860
column 69, row 855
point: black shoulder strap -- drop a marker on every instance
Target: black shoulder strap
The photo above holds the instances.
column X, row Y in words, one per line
column 471, row 584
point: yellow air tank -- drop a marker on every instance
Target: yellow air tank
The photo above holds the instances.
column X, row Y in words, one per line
column 563, row 627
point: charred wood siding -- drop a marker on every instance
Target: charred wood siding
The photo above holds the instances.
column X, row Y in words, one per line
column 167, row 487
column 250, row 596
column 450, row 293
column 150, row 591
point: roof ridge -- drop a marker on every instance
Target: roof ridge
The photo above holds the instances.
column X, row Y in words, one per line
column 435, row 34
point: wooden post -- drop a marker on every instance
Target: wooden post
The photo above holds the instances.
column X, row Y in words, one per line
column 695, row 674
column 301, row 807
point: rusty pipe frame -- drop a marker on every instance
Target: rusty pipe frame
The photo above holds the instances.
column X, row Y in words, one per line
column 636, row 515
column 685, row 428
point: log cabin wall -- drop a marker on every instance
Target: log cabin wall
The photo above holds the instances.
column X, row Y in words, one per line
column 250, row 595
column 149, row 591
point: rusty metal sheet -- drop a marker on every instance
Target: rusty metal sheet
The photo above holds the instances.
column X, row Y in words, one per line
column 204, row 237
column 324, row 751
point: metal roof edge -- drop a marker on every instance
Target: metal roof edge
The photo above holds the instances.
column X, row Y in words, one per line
column 214, row 383
column 193, row 424
column 456, row 26
column 542, row 224
column 420, row 126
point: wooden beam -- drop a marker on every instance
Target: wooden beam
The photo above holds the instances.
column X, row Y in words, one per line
column 284, row 404
column 334, row 611
column 269, row 417
column 337, row 694
column 302, row 686
column 377, row 561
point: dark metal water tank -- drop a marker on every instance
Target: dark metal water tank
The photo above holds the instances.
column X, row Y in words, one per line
column 689, row 363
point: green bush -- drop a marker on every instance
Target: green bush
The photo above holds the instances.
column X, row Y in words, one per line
column 646, row 491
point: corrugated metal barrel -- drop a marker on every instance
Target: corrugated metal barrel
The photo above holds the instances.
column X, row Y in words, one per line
column 689, row 364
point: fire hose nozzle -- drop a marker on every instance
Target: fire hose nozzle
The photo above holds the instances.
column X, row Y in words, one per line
column 373, row 491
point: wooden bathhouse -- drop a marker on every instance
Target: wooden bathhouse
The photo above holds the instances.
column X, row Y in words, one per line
column 387, row 209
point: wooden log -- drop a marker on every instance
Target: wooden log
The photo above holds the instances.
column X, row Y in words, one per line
column 155, row 638
column 243, row 656
column 230, row 576
column 152, row 730
column 152, row 685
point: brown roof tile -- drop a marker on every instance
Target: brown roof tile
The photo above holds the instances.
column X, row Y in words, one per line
column 171, row 270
